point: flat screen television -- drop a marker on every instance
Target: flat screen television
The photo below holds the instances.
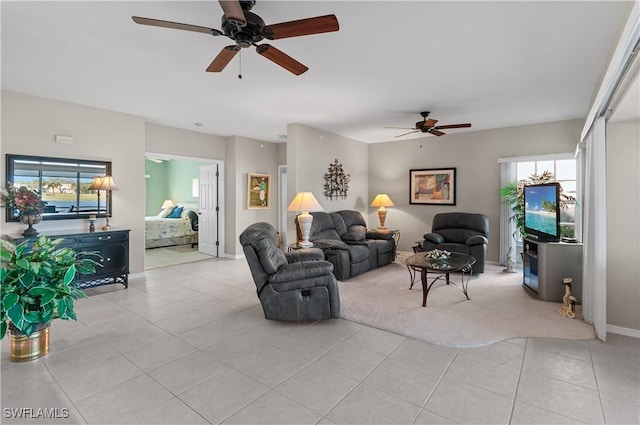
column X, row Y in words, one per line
column 542, row 211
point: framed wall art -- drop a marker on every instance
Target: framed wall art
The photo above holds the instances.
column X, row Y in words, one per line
column 433, row 186
column 258, row 190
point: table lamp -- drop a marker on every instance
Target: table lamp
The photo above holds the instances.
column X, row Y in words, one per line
column 103, row 183
column 305, row 202
column 382, row 201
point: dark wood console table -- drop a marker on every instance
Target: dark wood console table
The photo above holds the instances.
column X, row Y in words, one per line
column 111, row 245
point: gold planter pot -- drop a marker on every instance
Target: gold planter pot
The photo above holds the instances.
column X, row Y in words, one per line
column 25, row 348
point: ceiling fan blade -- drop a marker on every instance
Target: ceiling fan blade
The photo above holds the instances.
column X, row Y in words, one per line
column 409, row 132
column 401, row 128
column 453, row 126
column 430, row 122
column 233, row 12
column 436, row 132
column 424, row 125
column 223, row 58
column 308, row 26
column 175, row 25
column 281, row 58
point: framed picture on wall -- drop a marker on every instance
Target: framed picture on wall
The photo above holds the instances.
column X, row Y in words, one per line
column 258, row 190
column 432, row 186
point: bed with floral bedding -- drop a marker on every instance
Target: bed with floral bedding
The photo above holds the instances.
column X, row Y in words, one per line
column 170, row 228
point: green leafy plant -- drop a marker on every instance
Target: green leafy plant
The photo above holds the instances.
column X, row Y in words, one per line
column 513, row 195
column 37, row 284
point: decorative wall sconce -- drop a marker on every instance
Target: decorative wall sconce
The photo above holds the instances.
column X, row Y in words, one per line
column 336, row 181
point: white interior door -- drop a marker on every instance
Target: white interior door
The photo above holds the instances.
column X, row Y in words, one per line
column 211, row 221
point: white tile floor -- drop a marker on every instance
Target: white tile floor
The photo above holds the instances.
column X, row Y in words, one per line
column 189, row 345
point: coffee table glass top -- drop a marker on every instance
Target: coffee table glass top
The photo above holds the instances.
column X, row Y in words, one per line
column 455, row 262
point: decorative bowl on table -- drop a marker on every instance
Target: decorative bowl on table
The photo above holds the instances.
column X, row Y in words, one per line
column 440, row 258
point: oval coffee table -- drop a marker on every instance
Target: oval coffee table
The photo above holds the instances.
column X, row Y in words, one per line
column 442, row 267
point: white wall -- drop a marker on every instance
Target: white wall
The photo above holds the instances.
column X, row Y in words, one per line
column 475, row 157
column 29, row 125
column 623, row 224
column 309, row 154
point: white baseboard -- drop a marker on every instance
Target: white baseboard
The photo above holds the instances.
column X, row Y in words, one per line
column 136, row 275
column 619, row 330
column 234, row 257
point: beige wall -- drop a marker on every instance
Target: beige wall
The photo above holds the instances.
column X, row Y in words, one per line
column 246, row 156
column 29, row 125
column 475, row 157
column 623, row 228
column 309, row 154
column 174, row 141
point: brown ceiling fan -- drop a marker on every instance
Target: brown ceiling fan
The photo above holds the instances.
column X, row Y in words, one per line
column 429, row 126
column 247, row 29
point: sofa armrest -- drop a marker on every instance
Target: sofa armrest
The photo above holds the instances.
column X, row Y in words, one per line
column 352, row 237
column 477, row 240
column 433, row 237
column 301, row 270
column 304, row 254
column 329, row 244
column 372, row 234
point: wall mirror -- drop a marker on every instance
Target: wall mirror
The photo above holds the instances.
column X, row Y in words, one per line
column 63, row 183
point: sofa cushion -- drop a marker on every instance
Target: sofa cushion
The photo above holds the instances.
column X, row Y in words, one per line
column 354, row 222
column 359, row 253
column 322, row 227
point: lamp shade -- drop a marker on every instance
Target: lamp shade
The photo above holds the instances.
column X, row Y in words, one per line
column 382, row 200
column 103, row 183
column 167, row 204
column 304, row 202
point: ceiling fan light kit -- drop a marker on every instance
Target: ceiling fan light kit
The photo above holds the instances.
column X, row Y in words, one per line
column 247, row 29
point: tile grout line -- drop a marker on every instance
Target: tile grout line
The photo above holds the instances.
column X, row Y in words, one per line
column 435, row 387
column 515, row 394
column 595, row 377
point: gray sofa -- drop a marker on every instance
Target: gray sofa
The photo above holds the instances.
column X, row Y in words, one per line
column 460, row 232
column 296, row 285
column 348, row 245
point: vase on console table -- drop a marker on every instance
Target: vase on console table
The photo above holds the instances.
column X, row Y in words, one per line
column 30, row 220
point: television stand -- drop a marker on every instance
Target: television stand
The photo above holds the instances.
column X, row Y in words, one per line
column 545, row 264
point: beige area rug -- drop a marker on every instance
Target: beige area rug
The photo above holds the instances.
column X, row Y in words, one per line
column 499, row 308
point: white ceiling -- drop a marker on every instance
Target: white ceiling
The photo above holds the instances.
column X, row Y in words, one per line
column 494, row 64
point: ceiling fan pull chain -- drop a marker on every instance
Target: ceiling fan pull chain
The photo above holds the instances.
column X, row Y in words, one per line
column 240, row 64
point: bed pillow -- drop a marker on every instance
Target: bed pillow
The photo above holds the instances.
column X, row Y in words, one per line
column 175, row 213
column 165, row 212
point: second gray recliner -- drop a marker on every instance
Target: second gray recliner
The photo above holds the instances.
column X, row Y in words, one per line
column 462, row 232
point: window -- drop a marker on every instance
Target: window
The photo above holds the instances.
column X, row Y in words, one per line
column 564, row 172
column 63, row 183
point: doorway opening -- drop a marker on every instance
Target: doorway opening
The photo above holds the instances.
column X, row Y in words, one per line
column 184, row 209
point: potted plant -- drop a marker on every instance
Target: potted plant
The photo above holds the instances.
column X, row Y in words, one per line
column 37, row 286
column 27, row 202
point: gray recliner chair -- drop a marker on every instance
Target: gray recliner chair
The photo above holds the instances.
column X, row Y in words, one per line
column 297, row 285
column 462, row 232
